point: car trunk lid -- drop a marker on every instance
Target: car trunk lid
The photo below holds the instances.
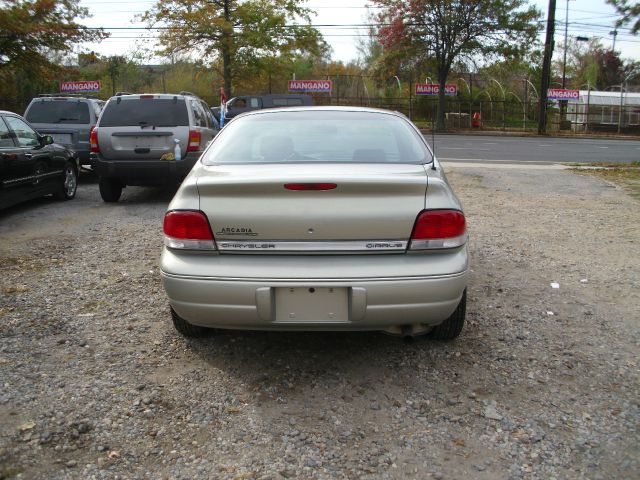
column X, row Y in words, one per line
column 312, row 207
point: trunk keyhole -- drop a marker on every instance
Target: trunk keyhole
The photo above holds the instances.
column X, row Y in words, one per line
column 312, row 290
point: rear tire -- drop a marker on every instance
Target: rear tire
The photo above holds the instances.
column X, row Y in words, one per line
column 452, row 326
column 110, row 189
column 185, row 328
column 69, row 184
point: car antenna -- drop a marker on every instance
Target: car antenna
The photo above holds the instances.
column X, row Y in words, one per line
column 433, row 146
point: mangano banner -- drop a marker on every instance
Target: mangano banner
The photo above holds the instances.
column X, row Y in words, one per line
column 450, row 90
column 80, row 87
column 310, row 86
column 563, row 94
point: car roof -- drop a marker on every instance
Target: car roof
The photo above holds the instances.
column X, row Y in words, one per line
column 5, row 112
column 323, row 108
column 44, row 98
column 158, row 95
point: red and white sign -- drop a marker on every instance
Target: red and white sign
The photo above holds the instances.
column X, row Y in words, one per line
column 84, row 86
column 434, row 89
column 563, row 94
column 320, row 86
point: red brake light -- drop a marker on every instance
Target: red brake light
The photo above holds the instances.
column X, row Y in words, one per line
column 93, row 140
column 439, row 229
column 188, row 229
column 195, row 137
column 310, row 186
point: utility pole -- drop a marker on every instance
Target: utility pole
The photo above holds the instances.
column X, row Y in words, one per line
column 566, row 38
column 563, row 103
column 614, row 33
column 546, row 67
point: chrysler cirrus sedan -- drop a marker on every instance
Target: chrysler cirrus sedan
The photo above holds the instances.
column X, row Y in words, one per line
column 317, row 218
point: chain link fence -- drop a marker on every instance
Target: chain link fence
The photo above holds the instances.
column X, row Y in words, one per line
column 477, row 108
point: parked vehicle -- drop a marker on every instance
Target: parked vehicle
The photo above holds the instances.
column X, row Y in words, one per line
column 216, row 115
column 68, row 119
column 318, row 218
column 31, row 165
column 248, row 103
column 148, row 139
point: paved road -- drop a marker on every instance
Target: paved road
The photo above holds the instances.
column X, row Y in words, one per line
column 497, row 149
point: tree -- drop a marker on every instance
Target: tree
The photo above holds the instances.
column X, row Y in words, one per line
column 36, row 40
column 630, row 12
column 234, row 32
column 448, row 29
column 595, row 65
column 32, row 28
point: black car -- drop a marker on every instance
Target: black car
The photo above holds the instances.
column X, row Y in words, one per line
column 248, row 103
column 31, row 165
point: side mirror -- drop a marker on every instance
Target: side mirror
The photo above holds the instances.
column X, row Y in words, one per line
column 46, row 140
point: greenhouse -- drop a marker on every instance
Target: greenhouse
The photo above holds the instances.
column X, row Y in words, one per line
column 596, row 110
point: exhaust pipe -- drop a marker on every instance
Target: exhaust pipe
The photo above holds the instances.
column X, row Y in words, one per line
column 406, row 332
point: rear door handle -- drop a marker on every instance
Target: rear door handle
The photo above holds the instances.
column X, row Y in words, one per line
column 28, row 155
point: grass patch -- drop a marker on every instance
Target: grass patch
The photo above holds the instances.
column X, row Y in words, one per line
column 626, row 175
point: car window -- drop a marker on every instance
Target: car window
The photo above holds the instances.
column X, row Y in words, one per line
column 159, row 112
column 199, row 114
column 26, row 136
column 208, row 115
column 329, row 136
column 287, row 102
column 5, row 138
column 254, row 102
column 97, row 108
column 58, row 111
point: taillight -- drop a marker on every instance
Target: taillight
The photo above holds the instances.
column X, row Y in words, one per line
column 438, row 229
column 194, row 141
column 93, row 140
column 187, row 229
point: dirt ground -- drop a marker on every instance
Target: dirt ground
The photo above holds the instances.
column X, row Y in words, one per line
column 543, row 382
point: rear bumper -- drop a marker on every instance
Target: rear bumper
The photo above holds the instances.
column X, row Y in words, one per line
column 83, row 155
column 380, row 302
column 144, row 172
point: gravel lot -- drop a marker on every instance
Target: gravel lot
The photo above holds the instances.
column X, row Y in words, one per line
column 543, row 383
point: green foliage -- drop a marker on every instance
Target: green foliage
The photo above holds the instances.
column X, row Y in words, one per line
column 595, row 65
column 235, row 36
column 34, row 37
column 630, row 12
column 416, row 30
column 31, row 28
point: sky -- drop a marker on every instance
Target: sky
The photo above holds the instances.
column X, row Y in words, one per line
column 591, row 18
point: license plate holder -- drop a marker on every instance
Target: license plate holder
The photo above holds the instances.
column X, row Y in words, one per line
column 62, row 138
column 312, row 304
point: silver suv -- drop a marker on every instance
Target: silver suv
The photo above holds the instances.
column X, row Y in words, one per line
column 148, row 139
column 69, row 119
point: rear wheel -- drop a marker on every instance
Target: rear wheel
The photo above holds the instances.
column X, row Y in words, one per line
column 69, row 184
column 185, row 328
column 110, row 189
column 452, row 326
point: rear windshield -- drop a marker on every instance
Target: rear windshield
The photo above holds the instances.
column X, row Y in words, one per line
column 58, row 111
column 318, row 136
column 287, row 102
column 159, row 112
